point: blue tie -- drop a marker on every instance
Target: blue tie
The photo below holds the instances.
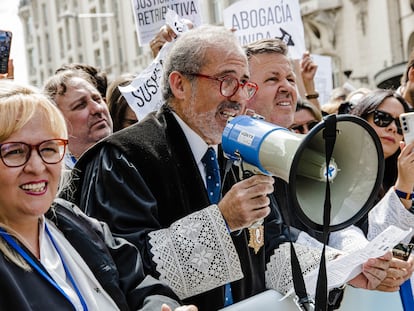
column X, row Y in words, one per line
column 212, row 175
column 213, row 189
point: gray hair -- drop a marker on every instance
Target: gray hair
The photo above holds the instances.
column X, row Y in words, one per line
column 59, row 83
column 189, row 52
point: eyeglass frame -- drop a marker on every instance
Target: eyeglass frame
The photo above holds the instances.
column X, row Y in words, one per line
column 222, row 79
column 377, row 123
column 62, row 141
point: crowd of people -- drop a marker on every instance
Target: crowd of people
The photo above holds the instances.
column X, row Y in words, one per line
column 138, row 225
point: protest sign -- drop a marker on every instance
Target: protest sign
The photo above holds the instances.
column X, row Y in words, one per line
column 144, row 93
column 149, row 15
column 323, row 78
column 255, row 20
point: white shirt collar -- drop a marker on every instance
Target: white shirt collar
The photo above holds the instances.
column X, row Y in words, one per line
column 197, row 144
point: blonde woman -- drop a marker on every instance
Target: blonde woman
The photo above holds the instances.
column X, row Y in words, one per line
column 53, row 257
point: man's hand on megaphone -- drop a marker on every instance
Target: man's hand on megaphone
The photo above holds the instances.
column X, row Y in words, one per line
column 247, row 202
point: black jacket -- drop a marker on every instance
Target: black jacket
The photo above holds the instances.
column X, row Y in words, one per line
column 115, row 263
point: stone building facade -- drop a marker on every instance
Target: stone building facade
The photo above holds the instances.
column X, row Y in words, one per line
column 368, row 40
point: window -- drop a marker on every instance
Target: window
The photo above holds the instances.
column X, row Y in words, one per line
column 102, row 5
column 78, row 33
column 39, row 47
column 29, row 29
column 94, row 21
column 49, row 49
column 68, row 38
column 44, row 14
column 98, row 60
column 30, row 56
column 61, row 46
column 106, row 50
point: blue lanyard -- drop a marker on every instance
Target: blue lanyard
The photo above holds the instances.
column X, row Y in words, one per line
column 29, row 259
column 72, row 158
column 406, row 295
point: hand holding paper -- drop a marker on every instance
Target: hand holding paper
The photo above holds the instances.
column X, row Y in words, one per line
column 347, row 267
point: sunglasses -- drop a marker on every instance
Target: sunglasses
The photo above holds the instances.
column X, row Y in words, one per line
column 304, row 128
column 383, row 119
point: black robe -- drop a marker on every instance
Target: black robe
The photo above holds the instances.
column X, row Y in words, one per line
column 144, row 178
column 115, row 263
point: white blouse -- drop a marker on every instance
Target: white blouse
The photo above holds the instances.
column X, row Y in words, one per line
column 389, row 211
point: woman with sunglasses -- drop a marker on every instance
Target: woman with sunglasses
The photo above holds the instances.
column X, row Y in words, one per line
column 381, row 109
column 53, row 257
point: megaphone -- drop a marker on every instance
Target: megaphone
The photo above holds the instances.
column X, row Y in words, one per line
column 354, row 172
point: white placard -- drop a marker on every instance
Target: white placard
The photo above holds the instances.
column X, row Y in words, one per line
column 144, row 93
column 323, row 77
column 255, row 20
column 149, row 15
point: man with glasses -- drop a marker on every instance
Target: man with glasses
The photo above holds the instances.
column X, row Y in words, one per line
column 148, row 182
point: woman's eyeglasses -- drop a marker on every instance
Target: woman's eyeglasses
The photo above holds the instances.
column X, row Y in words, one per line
column 15, row 154
column 383, row 119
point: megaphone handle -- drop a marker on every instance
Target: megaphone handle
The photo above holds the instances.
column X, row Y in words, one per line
column 247, row 173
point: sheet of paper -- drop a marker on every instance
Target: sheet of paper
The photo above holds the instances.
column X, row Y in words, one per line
column 346, row 267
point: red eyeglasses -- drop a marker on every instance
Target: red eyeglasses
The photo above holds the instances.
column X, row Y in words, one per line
column 229, row 85
column 15, row 154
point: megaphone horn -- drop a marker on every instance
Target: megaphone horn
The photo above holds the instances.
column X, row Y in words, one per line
column 355, row 169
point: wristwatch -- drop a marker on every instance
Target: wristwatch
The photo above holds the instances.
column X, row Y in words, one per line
column 404, row 195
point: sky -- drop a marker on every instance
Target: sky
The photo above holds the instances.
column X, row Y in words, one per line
column 9, row 20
